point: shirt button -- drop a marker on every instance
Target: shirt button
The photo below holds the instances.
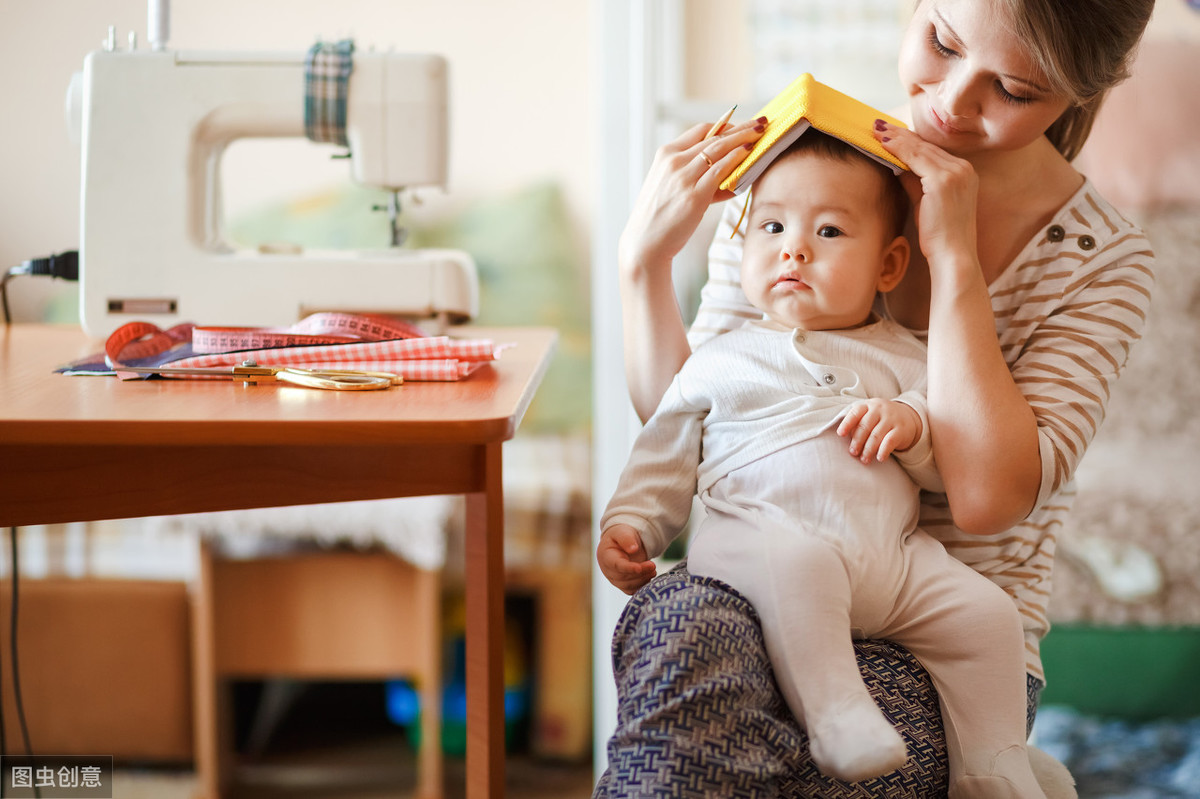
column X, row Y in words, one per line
column 1056, row 233
column 800, row 338
column 829, row 378
column 1086, row 242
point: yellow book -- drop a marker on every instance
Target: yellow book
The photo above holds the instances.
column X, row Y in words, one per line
column 808, row 103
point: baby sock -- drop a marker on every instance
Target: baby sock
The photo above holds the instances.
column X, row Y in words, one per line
column 1008, row 776
column 854, row 741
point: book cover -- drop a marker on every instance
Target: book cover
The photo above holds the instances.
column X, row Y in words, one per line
column 808, row 103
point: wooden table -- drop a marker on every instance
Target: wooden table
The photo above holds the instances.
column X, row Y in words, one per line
column 90, row 448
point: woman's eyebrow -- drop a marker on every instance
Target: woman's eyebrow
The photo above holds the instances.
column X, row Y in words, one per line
column 957, row 42
column 949, row 28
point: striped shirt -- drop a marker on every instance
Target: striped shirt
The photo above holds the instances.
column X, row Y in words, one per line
column 1068, row 310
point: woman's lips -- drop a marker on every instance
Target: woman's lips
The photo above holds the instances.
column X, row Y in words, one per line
column 944, row 126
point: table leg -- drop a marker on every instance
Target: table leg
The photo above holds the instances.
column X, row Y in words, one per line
column 485, row 631
column 211, row 708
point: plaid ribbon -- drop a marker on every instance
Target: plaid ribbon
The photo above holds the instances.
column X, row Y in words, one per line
column 327, row 68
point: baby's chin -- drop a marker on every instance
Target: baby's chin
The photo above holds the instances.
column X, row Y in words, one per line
column 786, row 321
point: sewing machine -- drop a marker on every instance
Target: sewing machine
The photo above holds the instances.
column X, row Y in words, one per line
column 154, row 123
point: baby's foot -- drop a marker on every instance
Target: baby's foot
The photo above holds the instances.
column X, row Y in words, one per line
column 855, row 741
column 1009, row 775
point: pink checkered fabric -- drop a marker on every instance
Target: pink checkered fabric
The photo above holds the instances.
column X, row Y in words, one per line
column 435, row 358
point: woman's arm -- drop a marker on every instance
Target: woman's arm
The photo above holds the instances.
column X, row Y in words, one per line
column 1011, row 417
column 683, row 182
column 984, row 431
column 655, row 342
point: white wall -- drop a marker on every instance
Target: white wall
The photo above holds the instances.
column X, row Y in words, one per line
column 1174, row 19
column 519, row 92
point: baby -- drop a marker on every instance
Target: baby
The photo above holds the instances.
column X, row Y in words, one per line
column 825, row 544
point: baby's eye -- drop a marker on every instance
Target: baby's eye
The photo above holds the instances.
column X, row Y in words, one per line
column 772, row 227
column 828, row 232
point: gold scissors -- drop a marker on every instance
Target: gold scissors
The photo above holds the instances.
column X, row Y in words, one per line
column 252, row 372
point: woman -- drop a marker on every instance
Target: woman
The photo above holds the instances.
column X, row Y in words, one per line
column 1030, row 292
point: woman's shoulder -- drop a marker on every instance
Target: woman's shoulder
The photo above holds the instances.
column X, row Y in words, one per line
column 1088, row 236
column 1087, row 278
column 1090, row 214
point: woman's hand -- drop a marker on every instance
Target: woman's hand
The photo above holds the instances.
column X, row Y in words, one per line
column 684, row 180
column 623, row 559
column 944, row 193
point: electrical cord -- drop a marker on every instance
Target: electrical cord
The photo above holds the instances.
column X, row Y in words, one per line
column 12, row 630
column 16, row 674
column 64, row 265
column 3, row 744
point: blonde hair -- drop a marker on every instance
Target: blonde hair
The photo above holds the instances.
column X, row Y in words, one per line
column 1084, row 48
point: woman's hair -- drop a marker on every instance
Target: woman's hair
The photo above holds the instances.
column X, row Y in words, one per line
column 1084, row 48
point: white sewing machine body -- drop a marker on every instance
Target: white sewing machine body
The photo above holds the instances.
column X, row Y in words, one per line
column 154, row 126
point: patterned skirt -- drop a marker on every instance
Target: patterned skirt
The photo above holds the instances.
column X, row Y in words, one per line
column 699, row 714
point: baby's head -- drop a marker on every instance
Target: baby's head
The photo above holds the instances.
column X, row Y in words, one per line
column 825, row 233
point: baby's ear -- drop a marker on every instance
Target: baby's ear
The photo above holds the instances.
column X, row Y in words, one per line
column 895, row 264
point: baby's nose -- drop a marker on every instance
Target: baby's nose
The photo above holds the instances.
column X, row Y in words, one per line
column 795, row 250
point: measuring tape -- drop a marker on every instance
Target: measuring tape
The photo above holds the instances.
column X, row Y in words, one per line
column 138, row 340
column 324, row 341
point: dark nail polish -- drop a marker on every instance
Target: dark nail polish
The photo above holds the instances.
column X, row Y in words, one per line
column 880, row 125
column 886, row 138
column 759, row 128
column 748, row 146
column 761, row 120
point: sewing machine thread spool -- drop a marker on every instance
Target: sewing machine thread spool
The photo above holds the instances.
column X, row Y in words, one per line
column 158, row 23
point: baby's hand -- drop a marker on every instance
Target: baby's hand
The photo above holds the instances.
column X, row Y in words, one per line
column 623, row 559
column 879, row 427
